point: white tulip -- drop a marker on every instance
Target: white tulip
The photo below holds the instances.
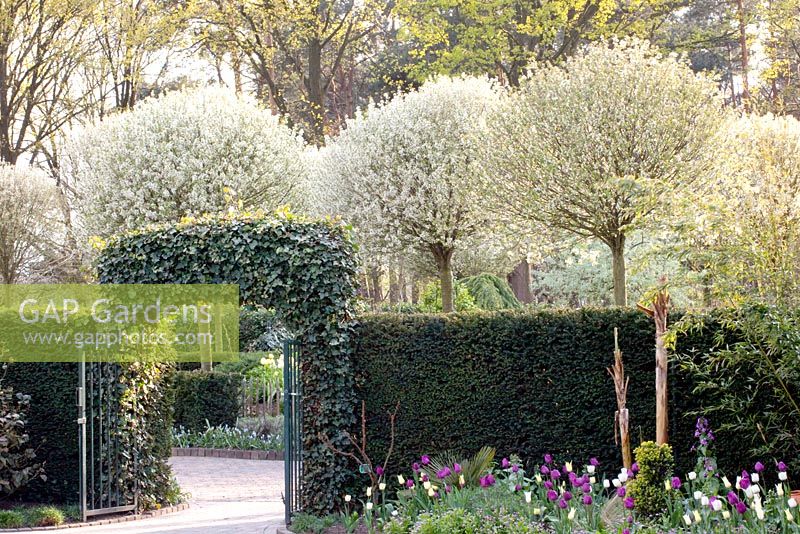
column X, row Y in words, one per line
column 592, row 480
column 382, row 486
column 431, row 493
column 698, row 495
column 369, row 491
column 697, row 517
column 537, row 511
column 606, row 483
column 623, row 476
column 538, row 479
column 726, row 482
column 528, row 497
column 717, row 506
column 394, row 513
column 369, row 505
column 617, row 482
column 347, row 498
column 426, row 484
column 568, row 467
column 401, row 480
column 571, row 514
column 782, row 475
column 726, row 514
column 792, row 503
column 760, row 513
column 704, row 500
column 755, row 477
column 779, row 489
column 789, row 516
column 687, row 519
column 692, row 475
column 590, row 469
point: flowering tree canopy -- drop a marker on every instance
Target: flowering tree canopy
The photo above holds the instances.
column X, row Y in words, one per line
column 747, row 231
column 404, row 171
column 597, row 145
column 179, row 155
column 28, row 202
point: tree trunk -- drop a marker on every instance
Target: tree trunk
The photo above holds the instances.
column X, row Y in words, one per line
column 375, row 282
column 745, row 55
column 394, row 287
column 315, row 92
column 660, row 310
column 618, row 270
column 520, row 281
column 444, row 256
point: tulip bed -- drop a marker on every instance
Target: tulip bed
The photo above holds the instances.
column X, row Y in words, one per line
column 476, row 495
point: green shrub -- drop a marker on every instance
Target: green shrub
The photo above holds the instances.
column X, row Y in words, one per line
column 526, row 382
column 205, row 398
column 656, row 464
column 491, row 292
column 45, row 516
column 11, row 519
column 431, row 299
column 448, row 522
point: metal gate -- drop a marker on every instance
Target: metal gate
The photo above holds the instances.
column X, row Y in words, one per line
column 292, row 428
column 105, row 485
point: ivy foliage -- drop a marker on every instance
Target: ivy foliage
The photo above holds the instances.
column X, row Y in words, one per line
column 306, row 271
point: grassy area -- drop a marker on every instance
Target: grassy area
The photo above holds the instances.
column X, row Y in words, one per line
column 38, row 516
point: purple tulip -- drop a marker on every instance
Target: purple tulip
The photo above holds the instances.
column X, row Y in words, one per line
column 487, row 481
column 444, row 472
column 548, row 458
column 555, row 474
column 626, row 531
column 711, row 502
column 457, row 468
column 573, row 479
column 552, row 495
column 629, row 503
column 562, row 504
column 435, row 494
column 517, row 487
column 505, row 463
column 586, row 488
column 425, row 459
column 781, row 466
column 621, row 491
column 741, row 507
column 379, row 471
column 424, row 477
column 745, row 481
column 515, row 468
column 567, row 496
column 732, row 498
column 544, row 470
column 415, row 467
column 587, row 500
column 448, row 488
column 548, row 484
column 635, row 468
column 759, row 467
column 594, row 462
column 676, row 483
column 409, row 483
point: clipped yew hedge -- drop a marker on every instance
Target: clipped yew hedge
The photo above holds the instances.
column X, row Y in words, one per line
column 526, row 382
column 203, row 398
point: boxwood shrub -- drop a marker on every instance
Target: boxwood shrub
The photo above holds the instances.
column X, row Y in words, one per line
column 526, row 382
column 205, row 396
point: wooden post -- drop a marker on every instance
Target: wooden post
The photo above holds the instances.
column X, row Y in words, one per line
column 660, row 310
column 621, row 420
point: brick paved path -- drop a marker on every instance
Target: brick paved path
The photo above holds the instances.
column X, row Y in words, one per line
column 226, row 496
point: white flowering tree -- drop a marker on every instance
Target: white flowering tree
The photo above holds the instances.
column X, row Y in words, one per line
column 404, row 172
column 183, row 154
column 746, row 231
column 598, row 146
column 28, row 221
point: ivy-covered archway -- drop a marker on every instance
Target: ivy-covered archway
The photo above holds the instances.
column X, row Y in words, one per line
column 306, row 271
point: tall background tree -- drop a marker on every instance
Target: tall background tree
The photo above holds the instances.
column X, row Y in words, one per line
column 598, row 146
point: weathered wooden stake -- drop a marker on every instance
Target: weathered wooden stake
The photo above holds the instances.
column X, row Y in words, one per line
column 621, row 434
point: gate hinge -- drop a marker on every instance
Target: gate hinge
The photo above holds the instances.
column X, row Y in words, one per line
column 81, row 420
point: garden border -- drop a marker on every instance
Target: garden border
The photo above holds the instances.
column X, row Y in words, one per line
column 108, row 521
column 235, row 454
